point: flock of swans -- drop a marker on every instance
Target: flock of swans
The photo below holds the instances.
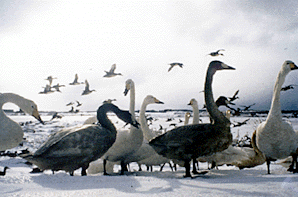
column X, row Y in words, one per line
column 76, row 147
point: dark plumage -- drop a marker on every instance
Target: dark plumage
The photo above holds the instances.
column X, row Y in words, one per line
column 175, row 64
column 234, row 97
column 216, row 53
column 72, row 148
column 4, row 171
column 192, row 141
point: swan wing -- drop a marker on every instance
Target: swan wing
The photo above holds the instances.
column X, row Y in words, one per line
column 77, row 141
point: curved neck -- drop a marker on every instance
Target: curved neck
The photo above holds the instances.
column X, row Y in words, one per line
column 11, row 98
column 103, row 118
column 212, row 108
column 148, row 134
column 275, row 109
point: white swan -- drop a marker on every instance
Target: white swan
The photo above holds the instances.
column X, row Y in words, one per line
column 127, row 142
column 146, row 151
column 147, row 132
column 186, row 118
column 275, row 137
column 196, row 117
column 11, row 134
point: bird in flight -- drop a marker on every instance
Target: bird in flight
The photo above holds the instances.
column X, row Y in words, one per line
column 111, row 72
column 175, row 64
column 216, row 53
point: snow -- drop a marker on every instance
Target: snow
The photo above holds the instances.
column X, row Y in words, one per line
column 225, row 181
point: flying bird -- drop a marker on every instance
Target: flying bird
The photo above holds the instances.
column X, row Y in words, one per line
column 79, row 104
column 216, row 53
column 108, row 101
column 57, row 87
column 87, row 90
column 238, row 124
column 70, row 103
column 288, row 87
column 111, row 72
column 75, row 82
column 175, row 64
column 247, row 107
column 50, row 79
column 47, row 90
column 234, row 97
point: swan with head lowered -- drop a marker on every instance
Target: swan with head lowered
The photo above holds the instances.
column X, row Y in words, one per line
column 276, row 138
column 128, row 141
column 11, row 134
column 192, row 141
column 75, row 147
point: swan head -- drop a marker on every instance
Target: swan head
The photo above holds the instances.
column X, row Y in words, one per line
column 151, row 100
column 128, row 118
column 31, row 108
column 128, row 84
column 218, row 65
column 193, row 102
column 290, row 65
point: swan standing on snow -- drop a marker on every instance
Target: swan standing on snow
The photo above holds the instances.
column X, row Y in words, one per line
column 145, row 152
column 275, row 137
column 128, row 141
column 11, row 134
column 192, row 141
column 75, row 147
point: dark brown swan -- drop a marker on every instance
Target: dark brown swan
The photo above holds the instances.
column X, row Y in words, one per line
column 192, row 141
column 72, row 148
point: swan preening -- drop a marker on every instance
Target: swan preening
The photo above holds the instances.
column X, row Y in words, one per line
column 192, row 141
column 275, row 138
column 75, row 147
column 11, row 134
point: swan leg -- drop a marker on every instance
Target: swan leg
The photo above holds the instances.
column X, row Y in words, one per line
column 187, row 168
column 104, row 167
column 268, row 166
column 293, row 166
column 123, row 168
column 71, row 173
column 171, row 166
column 194, row 166
column 161, row 167
column 84, row 168
column 140, row 168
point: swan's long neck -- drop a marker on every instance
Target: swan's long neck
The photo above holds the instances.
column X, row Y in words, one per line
column 275, row 109
column 196, row 117
column 11, row 98
column 148, row 134
column 132, row 100
column 103, row 118
column 212, row 108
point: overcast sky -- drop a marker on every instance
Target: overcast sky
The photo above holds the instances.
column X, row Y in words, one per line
column 62, row 38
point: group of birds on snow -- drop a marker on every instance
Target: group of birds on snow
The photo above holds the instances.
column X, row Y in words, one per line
column 76, row 147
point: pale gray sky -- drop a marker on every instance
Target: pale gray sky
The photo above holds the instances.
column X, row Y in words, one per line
column 62, row 38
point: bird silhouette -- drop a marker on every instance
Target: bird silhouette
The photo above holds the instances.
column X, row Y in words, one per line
column 175, row 64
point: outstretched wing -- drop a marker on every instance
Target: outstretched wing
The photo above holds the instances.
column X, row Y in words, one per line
column 113, row 67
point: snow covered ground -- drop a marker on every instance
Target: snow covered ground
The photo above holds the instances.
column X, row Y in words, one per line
column 226, row 181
